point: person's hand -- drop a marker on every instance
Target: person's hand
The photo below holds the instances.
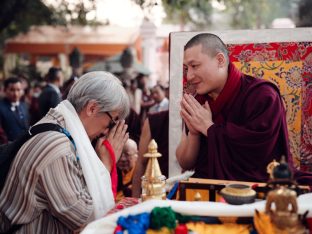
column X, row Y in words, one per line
column 198, row 118
column 117, row 137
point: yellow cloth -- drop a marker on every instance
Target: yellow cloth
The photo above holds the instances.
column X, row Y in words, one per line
column 228, row 228
column 126, row 178
column 163, row 230
column 263, row 223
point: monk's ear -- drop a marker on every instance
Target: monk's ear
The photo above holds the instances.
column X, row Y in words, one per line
column 221, row 60
column 91, row 108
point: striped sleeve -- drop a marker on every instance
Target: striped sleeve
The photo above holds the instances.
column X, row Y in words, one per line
column 64, row 186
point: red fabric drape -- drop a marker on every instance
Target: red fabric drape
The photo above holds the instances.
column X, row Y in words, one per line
column 114, row 177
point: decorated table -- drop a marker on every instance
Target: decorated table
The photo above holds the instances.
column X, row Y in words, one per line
column 216, row 209
column 283, row 211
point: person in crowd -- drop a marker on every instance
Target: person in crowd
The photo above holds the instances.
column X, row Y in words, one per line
column 26, row 96
column 125, row 168
column 14, row 117
column 167, row 93
column 36, row 90
column 134, row 125
column 235, row 124
column 56, row 185
column 147, row 100
column 161, row 101
column 3, row 137
column 68, row 83
column 156, row 126
column 51, row 94
column 135, row 95
column 2, row 94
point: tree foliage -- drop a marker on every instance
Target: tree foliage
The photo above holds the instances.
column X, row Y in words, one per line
column 197, row 13
column 19, row 15
column 69, row 13
column 246, row 14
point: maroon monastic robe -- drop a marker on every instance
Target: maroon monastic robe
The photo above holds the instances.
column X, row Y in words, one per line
column 159, row 125
column 134, row 125
column 249, row 131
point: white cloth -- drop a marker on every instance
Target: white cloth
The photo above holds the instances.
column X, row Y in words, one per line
column 95, row 173
column 108, row 223
column 14, row 105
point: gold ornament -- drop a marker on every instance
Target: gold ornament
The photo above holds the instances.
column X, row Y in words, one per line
column 153, row 182
column 271, row 167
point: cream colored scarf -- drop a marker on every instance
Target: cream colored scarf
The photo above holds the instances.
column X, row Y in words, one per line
column 95, row 173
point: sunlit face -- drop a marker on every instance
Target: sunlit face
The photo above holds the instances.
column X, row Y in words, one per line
column 128, row 157
column 202, row 70
column 14, row 92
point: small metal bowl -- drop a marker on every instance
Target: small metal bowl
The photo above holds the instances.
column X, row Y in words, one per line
column 238, row 194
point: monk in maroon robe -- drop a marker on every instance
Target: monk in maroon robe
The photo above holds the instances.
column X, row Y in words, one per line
column 235, row 124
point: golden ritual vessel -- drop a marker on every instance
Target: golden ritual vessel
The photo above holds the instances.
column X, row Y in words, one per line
column 271, row 167
column 153, row 182
column 281, row 205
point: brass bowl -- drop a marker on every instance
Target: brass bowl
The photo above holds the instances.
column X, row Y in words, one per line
column 238, row 194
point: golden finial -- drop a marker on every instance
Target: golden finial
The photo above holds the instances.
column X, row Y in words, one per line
column 152, row 150
column 197, row 197
column 153, row 182
column 271, row 167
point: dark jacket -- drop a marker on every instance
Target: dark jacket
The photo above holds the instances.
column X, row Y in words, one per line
column 13, row 123
column 48, row 98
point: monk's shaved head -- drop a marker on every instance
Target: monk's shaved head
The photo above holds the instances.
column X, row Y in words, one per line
column 211, row 44
column 131, row 145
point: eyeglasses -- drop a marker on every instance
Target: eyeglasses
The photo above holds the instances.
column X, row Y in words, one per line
column 112, row 123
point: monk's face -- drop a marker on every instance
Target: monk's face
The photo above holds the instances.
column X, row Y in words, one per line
column 202, row 71
column 128, row 157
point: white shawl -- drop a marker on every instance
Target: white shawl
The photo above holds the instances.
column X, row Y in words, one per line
column 95, row 173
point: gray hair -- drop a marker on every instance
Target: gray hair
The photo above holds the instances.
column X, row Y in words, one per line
column 211, row 44
column 103, row 87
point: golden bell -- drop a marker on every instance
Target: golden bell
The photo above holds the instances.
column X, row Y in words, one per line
column 153, row 182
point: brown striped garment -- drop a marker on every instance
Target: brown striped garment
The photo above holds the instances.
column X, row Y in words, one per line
column 45, row 189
